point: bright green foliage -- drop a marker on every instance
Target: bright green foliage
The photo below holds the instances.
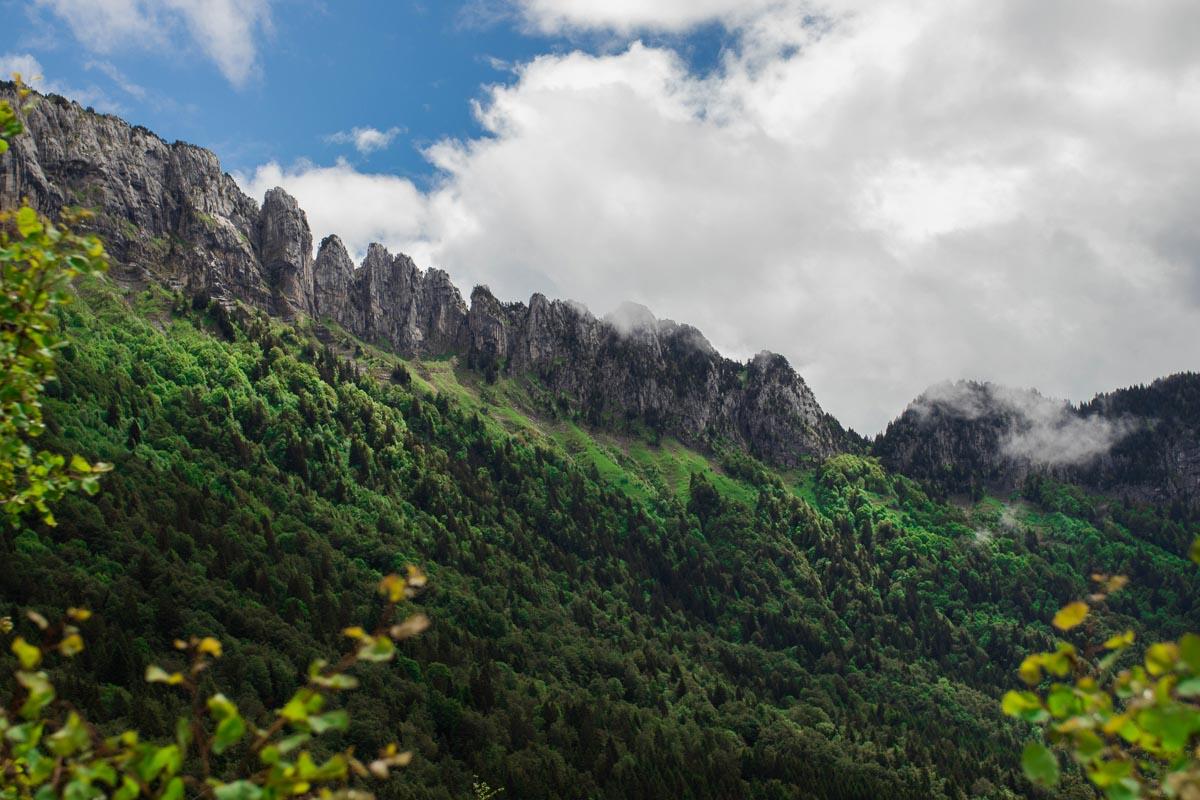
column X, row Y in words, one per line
column 1039, row 764
column 38, row 261
column 1134, row 732
column 737, row 635
column 47, row 749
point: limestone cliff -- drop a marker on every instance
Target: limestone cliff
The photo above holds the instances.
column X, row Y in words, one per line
column 169, row 214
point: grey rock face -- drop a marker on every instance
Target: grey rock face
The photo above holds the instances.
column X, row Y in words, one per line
column 333, row 272
column 168, row 213
column 390, row 300
column 285, row 247
column 661, row 374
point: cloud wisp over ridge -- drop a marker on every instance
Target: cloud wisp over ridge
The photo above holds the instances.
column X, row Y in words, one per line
column 890, row 194
column 1039, row 430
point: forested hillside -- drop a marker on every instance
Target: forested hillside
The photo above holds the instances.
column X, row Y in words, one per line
column 614, row 616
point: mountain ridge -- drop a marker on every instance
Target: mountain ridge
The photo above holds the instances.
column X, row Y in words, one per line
column 1140, row 442
column 169, row 214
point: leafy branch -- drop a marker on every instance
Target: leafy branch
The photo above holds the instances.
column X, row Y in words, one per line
column 48, row 750
column 38, row 261
column 1134, row 732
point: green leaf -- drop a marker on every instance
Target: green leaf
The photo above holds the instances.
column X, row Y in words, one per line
column 1189, row 651
column 70, row 738
column 1124, row 789
column 229, row 732
column 338, row 681
column 27, row 654
column 303, row 703
column 41, row 693
column 28, row 222
column 1039, row 764
column 238, row 790
column 1120, row 641
column 1070, row 615
column 1188, row 688
column 183, row 732
column 332, row 769
column 1161, row 657
column 1194, row 552
column 1030, row 670
column 1173, row 725
column 1087, row 744
column 174, row 790
column 380, row 648
column 221, row 707
column 1061, row 702
column 1025, row 705
column 292, row 742
column 1109, row 773
column 80, row 790
column 27, row 733
column 332, row 721
column 166, row 760
column 129, row 789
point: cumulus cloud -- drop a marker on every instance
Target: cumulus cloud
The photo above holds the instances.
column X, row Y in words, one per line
column 888, row 193
column 1038, row 429
column 224, row 30
column 384, row 208
column 636, row 15
column 365, row 140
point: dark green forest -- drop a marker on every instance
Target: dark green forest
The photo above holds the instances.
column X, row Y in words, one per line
column 613, row 616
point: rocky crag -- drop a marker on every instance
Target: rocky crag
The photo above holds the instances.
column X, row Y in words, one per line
column 1142, row 442
column 169, row 214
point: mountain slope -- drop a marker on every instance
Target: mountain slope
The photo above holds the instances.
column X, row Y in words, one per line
column 601, row 628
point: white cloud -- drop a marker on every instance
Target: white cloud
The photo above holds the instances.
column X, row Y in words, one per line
column 888, row 193
column 30, row 70
column 365, row 140
column 1038, row 429
column 359, row 208
column 224, row 30
column 23, row 64
column 634, row 15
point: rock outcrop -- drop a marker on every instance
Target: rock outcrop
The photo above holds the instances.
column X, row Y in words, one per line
column 1142, row 442
column 662, row 374
column 168, row 213
column 285, row 249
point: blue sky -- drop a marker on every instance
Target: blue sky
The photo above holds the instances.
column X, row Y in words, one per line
column 890, row 193
column 411, row 68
